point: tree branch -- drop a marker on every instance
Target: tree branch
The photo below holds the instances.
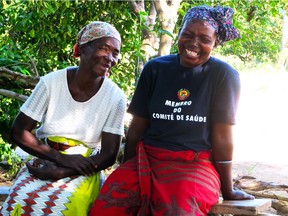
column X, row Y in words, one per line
column 14, row 76
column 12, row 94
column 264, row 195
column 137, row 6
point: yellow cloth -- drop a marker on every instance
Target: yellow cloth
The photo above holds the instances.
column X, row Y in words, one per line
column 77, row 147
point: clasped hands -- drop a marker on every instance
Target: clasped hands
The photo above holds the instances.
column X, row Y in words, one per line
column 68, row 165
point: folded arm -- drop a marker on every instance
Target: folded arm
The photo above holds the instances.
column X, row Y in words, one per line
column 67, row 165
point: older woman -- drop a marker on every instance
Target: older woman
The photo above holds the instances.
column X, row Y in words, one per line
column 179, row 144
column 81, row 113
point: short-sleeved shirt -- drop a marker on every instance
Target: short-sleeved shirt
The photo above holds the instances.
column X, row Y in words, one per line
column 182, row 103
column 52, row 104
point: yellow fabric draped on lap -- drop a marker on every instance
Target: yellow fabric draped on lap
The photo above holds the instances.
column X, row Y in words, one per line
column 77, row 147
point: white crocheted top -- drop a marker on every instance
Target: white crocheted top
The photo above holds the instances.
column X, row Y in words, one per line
column 52, row 104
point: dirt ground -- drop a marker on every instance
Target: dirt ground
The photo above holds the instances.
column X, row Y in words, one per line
column 271, row 173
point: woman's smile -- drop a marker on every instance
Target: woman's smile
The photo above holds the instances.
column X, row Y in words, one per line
column 192, row 53
column 196, row 41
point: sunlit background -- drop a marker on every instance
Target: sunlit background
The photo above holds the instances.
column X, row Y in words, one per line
column 261, row 131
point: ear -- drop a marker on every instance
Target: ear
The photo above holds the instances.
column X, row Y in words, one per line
column 216, row 42
column 76, row 50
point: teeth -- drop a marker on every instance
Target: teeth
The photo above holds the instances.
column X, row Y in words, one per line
column 191, row 53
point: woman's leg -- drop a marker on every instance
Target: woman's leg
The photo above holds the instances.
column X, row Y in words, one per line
column 120, row 193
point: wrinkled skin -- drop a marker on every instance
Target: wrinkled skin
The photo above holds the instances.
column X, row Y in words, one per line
column 100, row 55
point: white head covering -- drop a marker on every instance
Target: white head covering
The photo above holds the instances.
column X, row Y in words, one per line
column 96, row 30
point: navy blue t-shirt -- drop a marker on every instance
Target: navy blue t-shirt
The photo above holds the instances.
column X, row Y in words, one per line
column 181, row 102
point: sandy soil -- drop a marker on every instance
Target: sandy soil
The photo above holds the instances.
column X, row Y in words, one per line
column 271, row 173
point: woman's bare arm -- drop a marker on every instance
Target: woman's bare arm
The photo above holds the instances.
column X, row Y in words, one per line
column 22, row 136
column 222, row 150
column 137, row 127
column 107, row 157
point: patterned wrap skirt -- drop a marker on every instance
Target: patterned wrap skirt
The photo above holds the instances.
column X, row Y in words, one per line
column 160, row 182
column 70, row 196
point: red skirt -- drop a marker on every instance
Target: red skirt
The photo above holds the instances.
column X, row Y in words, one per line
column 160, row 182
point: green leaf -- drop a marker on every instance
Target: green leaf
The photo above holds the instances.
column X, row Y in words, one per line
column 166, row 32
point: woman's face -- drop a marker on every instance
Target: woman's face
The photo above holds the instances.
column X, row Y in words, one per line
column 100, row 55
column 196, row 40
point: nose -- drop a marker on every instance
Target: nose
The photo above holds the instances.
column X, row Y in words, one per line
column 194, row 42
column 109, row 57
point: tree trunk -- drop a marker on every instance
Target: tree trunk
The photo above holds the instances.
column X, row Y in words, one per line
column 283, row 55
column 167, row 11
column 149, row 42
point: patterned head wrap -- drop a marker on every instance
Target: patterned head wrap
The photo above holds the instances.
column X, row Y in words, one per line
column 93, row 31
column 220, row 18
column 96, row 30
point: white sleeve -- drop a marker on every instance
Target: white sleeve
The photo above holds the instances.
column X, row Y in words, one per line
column 36, row 105
column 115, row 121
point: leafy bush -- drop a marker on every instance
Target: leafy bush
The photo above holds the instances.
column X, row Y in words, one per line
column 8, row 111
column 10, row 162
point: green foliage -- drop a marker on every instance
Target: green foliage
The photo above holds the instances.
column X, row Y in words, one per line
column 260, row 27
column 8, row 111
column 9, row 160
column 39, row 37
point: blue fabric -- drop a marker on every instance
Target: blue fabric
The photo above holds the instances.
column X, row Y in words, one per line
column 220, row 18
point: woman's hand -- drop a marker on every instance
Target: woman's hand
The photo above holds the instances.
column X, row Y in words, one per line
column 83, row 165
column 237, row 195
column 43, row 169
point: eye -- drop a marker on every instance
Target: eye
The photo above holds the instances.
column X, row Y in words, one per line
column 186, row 34
column 105, row 48
column 206, row 40
column 115, row 54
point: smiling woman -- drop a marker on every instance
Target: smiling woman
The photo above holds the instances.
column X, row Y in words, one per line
column 179, row 144
column 196, row 41
column 81, row 112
